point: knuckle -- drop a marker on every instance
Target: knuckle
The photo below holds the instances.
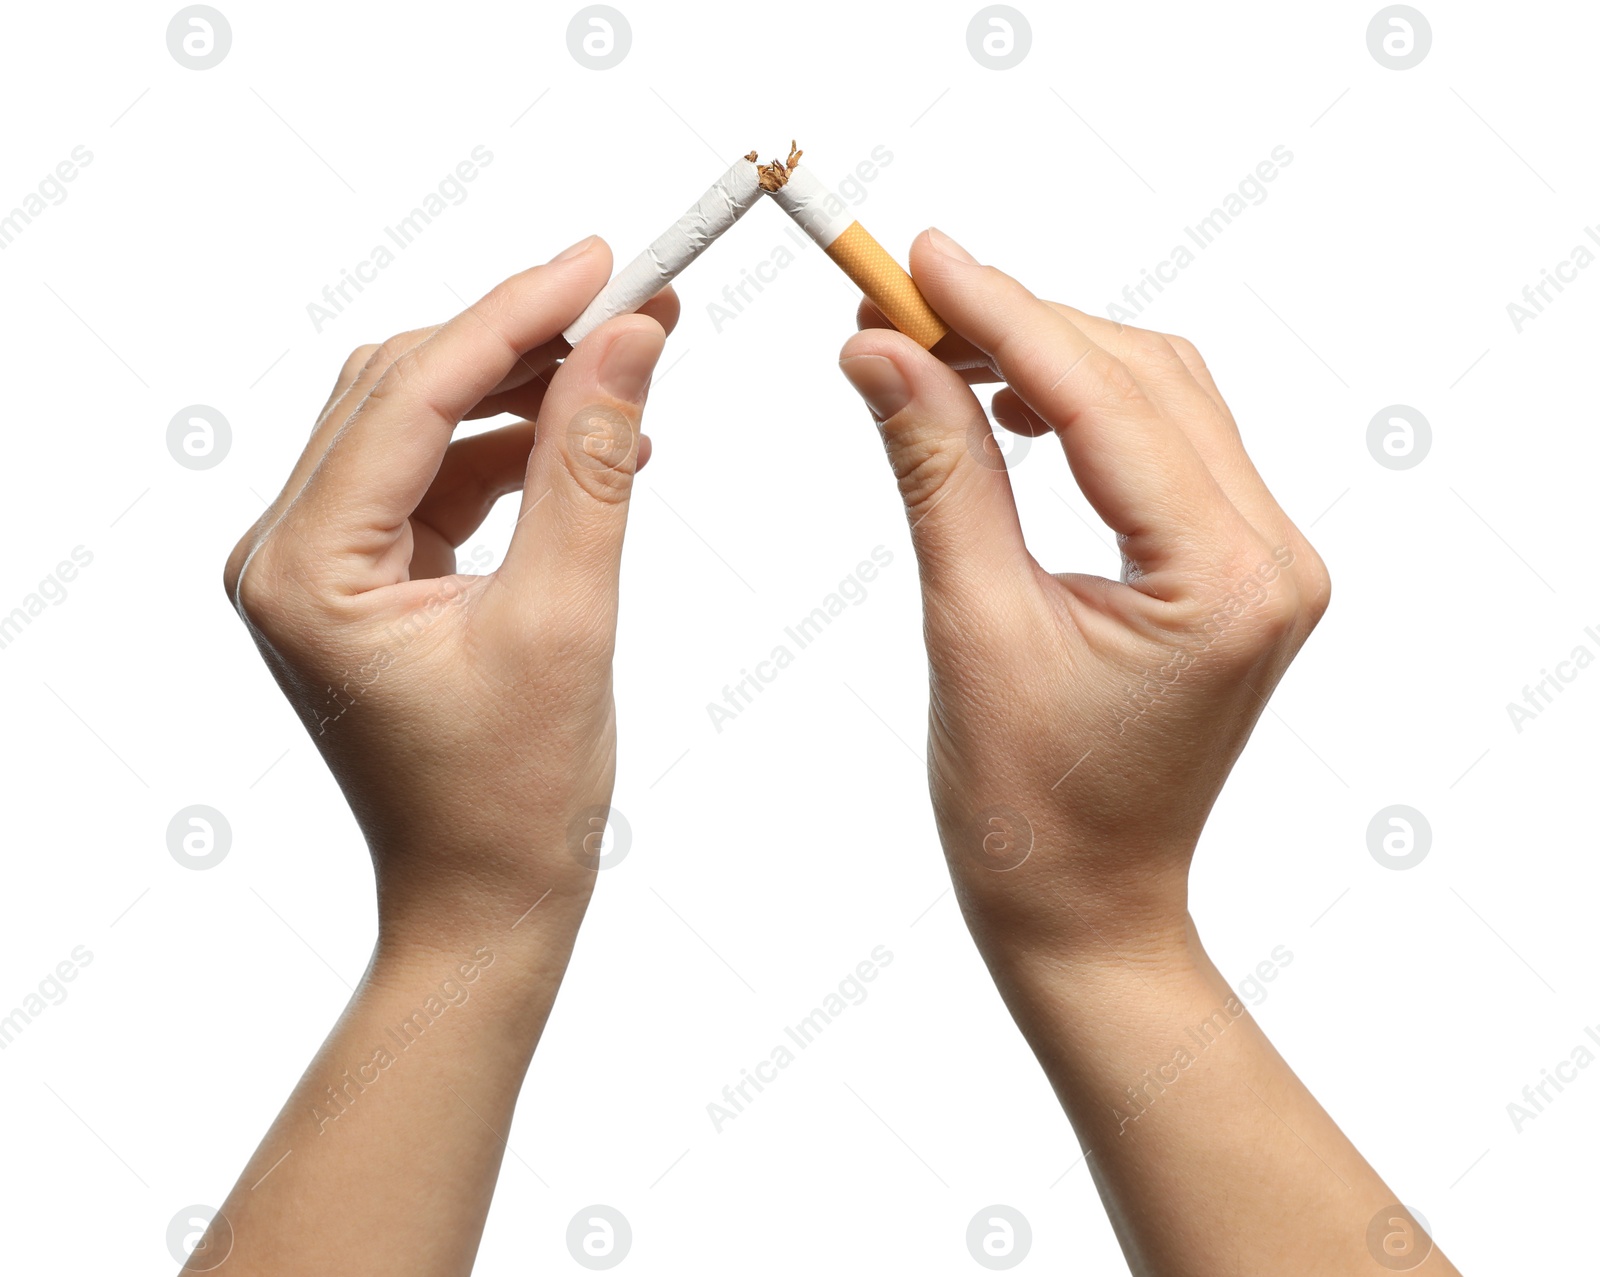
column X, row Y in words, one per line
column 288, row 614
column 607, row 485
column 924, row 461
column 245, row 551
column 394, row 362
column 1316, row 584
column 397, row 364
column 1189, row 353
column 262, row 592
column 394, row 382
column 1279, row 611
column 1256, row 607
column 234, row 566
column 257, row 596
column 357, row 362
column 602, row 451
column 390, row 351
column 1117, row 387
column 1150, row 348
column 1183, row 347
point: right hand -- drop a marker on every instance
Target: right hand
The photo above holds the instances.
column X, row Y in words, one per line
column 1091, row 720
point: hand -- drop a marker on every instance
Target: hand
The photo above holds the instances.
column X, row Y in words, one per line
column 468, row 719
column 1081, row 728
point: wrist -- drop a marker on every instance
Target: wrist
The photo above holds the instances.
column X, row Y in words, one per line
column 479, row 886
column 510, row 979
column 1090, row 997
column 1071, row 907
column 508, row 942
column 1084, row 947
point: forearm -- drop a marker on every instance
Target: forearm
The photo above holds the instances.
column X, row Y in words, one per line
column 1210, row 1155
column 386, row 1153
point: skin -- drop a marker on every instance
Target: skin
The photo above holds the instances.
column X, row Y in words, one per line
column 1080, row 730
column 469, row 721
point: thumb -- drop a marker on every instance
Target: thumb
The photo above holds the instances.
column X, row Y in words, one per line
column 964, row 525
column 568, row 538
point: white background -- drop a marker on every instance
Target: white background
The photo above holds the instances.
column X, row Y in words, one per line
column 770, row 858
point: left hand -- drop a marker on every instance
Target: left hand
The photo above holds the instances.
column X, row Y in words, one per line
column 468, row 719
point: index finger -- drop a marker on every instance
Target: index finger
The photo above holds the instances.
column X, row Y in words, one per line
column 1138, row 470
column 387, row 454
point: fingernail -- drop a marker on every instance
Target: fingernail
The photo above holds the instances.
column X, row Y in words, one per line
column 577, row 250
column 627, row 363
column 877, row 380
column 942, row 243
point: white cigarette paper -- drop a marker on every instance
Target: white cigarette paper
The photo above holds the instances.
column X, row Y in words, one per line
column 805, row 198
column 731, row 196
column 828, row 221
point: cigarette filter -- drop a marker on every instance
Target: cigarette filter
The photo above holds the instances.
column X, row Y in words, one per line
column 825, row 218
column 731, row 196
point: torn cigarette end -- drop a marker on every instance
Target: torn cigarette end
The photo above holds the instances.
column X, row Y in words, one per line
column 822, row 215
column 775, row 176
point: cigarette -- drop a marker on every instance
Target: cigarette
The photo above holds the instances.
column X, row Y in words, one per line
column 731, row 196
column 823, row 216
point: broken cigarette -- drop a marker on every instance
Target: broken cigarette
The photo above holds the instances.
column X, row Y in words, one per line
column 824, row 217
column 731, row 196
